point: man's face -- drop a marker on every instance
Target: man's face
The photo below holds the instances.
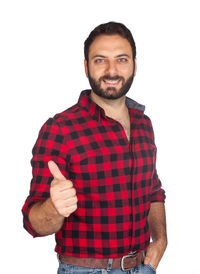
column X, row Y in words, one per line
column 110, row 69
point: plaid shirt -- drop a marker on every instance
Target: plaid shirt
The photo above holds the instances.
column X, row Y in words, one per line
column 115, row 180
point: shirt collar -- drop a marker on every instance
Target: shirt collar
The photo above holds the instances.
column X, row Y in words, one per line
column 96, row 111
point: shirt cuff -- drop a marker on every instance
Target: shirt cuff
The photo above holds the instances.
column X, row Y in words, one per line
column 158, row 196
column 25, row 211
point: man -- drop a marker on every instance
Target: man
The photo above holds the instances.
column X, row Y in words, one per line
column 94, row 170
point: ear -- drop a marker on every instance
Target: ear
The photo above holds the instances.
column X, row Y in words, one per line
column 86, row 68
column 135, row 66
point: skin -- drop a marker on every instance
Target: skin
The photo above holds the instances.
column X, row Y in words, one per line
column 111, row 55
column 108, row 55
column 104, row 60
column 157, row 226
column 47, row 217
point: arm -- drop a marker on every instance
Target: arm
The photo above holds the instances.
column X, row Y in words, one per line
column 39, row 212
column 156, row 217
column 44, row 218
column 47, row 217
column 157, row 225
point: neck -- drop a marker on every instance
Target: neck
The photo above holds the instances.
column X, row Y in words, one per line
column 112, row 108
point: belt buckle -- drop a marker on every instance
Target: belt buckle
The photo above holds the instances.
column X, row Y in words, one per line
column 122, row 261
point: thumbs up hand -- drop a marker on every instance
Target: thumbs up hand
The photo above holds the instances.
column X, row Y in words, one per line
column 62, row 192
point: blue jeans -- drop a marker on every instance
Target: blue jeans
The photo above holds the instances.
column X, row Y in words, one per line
column 70, row 269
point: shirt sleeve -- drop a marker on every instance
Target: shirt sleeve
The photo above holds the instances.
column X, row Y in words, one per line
column 157, row 192
column 50, row 145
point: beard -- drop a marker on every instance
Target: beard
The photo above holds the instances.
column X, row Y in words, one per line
column 110, row 92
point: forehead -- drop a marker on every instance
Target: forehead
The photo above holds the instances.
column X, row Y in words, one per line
column 111, row 45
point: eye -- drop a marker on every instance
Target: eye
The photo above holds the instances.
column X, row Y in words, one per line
column 122, row 60
column 98, row 61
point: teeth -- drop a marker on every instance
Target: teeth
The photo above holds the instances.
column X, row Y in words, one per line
column 111, row 81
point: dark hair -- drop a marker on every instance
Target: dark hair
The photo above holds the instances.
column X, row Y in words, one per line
column 109, row 28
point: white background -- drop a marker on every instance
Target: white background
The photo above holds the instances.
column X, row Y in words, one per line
column 41, row 73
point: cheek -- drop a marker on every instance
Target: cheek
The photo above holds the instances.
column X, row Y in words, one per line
column 127, row 71
column 96, row 72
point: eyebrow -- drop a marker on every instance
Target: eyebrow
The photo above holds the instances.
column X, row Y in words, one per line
column 122, row 55
column 102, row 56
column 98, row 55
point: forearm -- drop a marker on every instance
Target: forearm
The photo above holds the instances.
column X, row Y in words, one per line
column 44, row 218
column 157, row 223
column 157, row 226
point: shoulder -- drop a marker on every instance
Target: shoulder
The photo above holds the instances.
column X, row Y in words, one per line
column 148, row 126
column 139, row 116
column 147, row 120
column 68, row 116
column 65, row 117
column 142, row 123
column 61, row 122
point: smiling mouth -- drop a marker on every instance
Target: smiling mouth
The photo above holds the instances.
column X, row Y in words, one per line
column 111, row 82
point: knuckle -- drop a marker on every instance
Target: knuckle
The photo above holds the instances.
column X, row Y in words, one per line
column 69, row 183
column 53, row 183
column 73, row 192
column 74, row 201
column 75, row 207
column 67, row 212
column 64, row 213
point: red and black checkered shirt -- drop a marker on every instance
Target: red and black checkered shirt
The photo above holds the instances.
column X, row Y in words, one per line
column 116, row 180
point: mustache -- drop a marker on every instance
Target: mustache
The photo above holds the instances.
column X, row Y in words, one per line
column 108, row 77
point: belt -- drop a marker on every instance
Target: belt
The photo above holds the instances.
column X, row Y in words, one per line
column 125, row 263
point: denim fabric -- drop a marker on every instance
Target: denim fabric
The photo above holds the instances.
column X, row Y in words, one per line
column 70, row 269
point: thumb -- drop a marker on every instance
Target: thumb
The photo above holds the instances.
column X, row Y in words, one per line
column 148, row 256
column 55, row 171
column 147, row 260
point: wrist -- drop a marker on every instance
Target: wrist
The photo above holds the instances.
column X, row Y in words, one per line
column 51, row 210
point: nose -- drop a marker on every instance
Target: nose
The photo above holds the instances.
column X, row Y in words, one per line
column 111, row 68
